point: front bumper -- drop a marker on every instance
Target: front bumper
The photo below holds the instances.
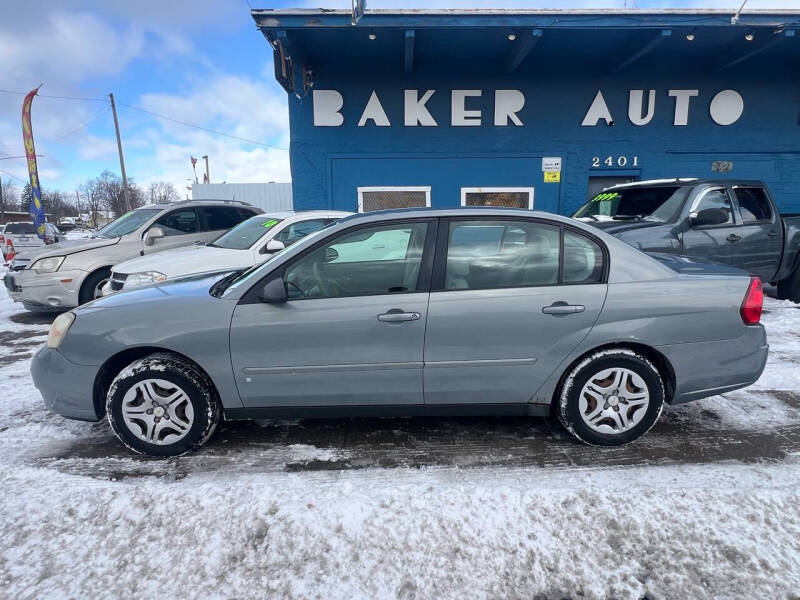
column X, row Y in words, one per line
column 45, row 291
column 705, row 369
column 67, row 388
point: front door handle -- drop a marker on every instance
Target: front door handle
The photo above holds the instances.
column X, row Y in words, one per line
column 734, row 238
column 396, row 315
column 562, row 309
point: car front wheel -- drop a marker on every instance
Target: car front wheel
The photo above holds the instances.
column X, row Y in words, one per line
column 162, row 405
column 611, row 397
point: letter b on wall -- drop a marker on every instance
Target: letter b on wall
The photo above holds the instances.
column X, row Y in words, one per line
column 327, row 104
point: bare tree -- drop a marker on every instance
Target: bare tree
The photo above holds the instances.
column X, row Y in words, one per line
column 94, row 199
column 9, row 198
column 161, row 191
column 109, row 186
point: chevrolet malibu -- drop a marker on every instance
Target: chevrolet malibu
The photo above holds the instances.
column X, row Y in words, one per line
column 419, row 312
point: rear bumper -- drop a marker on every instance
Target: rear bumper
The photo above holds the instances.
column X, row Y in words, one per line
column 67, row 388
column 46, row 291
column 705, row 369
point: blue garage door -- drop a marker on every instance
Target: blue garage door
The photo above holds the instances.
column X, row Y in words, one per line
column 446, row 176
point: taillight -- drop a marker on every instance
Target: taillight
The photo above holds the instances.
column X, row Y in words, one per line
column 2, row 239
column 752, row 303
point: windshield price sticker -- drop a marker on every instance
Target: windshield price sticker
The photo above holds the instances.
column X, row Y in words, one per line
column 605, row 196
column 270, row 223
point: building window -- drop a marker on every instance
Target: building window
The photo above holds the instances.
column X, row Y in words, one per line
column 498, row 196
column 384, row 198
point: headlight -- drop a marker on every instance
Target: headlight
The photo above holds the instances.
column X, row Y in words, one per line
column 48, row 265
column 143, row 278
column 59, row 329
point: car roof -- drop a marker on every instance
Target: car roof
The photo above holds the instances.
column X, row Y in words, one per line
column 197, row 202
column 684, row 181
column 471, row 211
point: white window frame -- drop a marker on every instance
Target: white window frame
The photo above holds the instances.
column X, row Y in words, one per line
column 394, row 188
column 480, row 190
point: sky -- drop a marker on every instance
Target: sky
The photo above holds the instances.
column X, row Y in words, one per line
column 200, row 61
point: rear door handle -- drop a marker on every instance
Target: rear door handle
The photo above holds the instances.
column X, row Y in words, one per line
column 562, row 309
column 396, row 315
column 772, row 233
column 734, row 238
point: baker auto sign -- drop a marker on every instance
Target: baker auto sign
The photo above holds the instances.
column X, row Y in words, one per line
column 725, row 108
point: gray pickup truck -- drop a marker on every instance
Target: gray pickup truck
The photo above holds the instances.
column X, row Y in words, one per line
column 725, row 221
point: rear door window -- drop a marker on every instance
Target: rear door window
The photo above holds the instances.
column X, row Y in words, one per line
column 753, row 204
column 500, row 254
column 221, row 217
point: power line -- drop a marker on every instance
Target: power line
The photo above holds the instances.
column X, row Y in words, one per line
column 57, row 97
column 20, row 156
column 68, row 132
column 234, row 137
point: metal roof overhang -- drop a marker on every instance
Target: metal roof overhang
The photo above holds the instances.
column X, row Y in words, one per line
column 614, row 39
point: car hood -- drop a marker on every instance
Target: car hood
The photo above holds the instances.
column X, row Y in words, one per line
column 614, row 227
column 69, row 247
column 187, row 261
column 181, row 289
column 689, row 265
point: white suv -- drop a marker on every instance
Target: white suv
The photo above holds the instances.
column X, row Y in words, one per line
column 250, row 243
column 72, row 273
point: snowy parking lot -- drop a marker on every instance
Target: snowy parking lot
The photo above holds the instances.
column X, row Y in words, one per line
column 707, row 505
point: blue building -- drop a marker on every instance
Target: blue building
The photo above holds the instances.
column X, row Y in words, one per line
column 533, row 108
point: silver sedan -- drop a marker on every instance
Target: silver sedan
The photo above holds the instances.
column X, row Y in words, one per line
column 422, row 312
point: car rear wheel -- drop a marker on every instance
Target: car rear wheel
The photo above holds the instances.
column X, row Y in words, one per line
column 611, row 397
column 162, row 405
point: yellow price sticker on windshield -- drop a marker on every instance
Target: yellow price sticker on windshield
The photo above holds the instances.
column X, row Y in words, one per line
column 552, row 176
column 270, row 223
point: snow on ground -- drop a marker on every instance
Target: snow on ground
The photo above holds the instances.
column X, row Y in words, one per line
column 706, row 506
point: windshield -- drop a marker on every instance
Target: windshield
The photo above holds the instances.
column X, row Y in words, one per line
column 127, row 223
column 246, row 233
column 657, row 203
column 21, row 228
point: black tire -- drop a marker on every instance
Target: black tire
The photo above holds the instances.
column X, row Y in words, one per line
column 197, row 386
column 92, row 281
column 789, row 288
column 568, row 396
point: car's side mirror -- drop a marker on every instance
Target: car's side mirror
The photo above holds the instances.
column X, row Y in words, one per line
column 330, row 255
column 152, row 235
column 273, row 246
column 708, row 216
column 274, row 292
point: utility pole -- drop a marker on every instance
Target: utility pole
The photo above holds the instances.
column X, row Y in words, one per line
column 78, row 205
column 208, row 176
column 121, row 159
column 2, row 203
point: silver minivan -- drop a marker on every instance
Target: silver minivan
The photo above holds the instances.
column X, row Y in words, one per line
column 71, row 273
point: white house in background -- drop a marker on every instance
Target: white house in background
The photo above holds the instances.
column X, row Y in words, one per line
column 270, row 197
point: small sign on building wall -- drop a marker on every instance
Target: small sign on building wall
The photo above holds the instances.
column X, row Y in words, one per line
column 551, row 164
column 552, row 176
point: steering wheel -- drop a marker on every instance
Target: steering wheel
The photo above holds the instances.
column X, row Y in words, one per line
column 325, row 285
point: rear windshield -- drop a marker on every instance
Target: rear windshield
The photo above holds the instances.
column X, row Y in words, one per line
column 21, row 228
column 246, row 233
column 127, row 223
column 656, row 203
